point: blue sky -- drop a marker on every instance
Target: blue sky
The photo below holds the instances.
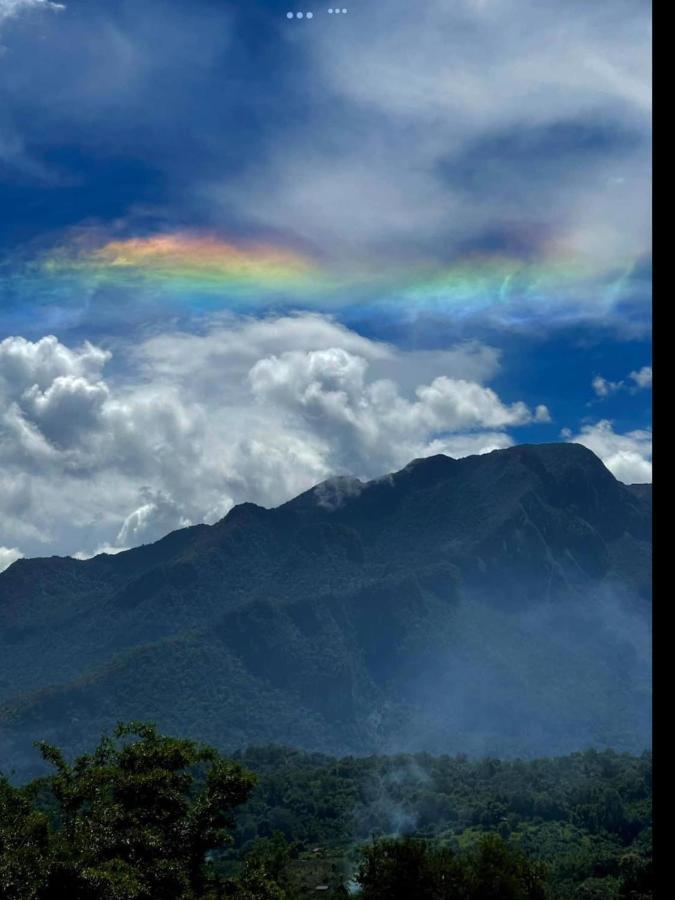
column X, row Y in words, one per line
column 265, row 251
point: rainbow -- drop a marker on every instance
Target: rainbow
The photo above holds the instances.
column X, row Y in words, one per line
column 185, row 262
column 500, row 281
column 194, row 271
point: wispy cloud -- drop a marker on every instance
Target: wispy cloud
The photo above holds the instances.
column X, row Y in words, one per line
column 10, row 8
column 499, row 151
column 641, row 381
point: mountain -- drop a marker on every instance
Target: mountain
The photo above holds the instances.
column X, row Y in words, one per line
column 492, row 604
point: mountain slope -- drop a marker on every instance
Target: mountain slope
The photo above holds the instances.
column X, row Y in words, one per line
column 494, row 603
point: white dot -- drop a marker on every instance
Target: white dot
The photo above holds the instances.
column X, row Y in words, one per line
column 344, row 11
column 310, row 15
column 289, row 15
column 330, row 11
column 299, row 15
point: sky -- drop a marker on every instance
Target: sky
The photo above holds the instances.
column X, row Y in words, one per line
column 243, row 250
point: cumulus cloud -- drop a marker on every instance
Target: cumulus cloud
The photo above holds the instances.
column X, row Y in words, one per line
column 230, row 345
column 627, row 456
column 38, row 363
column 8, row 555
column 642, row 378
column 93, row 461
column 329, row 393
column 605, row 388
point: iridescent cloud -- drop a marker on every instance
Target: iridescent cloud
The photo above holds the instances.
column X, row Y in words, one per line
column 189, row 272
column 184, row 263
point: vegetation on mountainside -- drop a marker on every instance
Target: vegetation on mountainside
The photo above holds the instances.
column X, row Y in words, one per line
column 494, row 604
column 587, row 816
column 146, row 816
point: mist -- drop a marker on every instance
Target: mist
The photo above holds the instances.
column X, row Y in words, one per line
column 546, row 679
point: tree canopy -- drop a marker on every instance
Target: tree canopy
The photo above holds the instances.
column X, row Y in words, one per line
column 133, row 820
column 150, row 817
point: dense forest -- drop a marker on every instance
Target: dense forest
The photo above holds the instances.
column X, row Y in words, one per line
column 146, row 816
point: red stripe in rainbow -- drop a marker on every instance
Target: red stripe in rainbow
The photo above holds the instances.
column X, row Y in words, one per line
column 187, row 261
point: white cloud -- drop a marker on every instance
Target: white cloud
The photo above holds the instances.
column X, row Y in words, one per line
column 605, row 388
column 26, row 363
column 328, row 393
column 10, row 8
column 231, row 345
column 643, row 377
column 158, row 515
column 429, row 131
column 8, row 555
column 253, row 410
column 627, row 456
column 422, row 137
column 642, row 380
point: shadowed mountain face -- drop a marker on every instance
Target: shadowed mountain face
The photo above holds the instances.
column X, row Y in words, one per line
column 494, row 604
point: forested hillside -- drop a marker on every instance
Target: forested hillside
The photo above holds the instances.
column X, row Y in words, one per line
column 146, row 816
column 496, row 604
column 587, row 816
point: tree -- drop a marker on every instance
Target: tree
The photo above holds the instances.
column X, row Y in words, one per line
column 264, row 874
column 24, row 844
column 637, row 879
column 131, row 821
column 498, row 872
column 394, row 869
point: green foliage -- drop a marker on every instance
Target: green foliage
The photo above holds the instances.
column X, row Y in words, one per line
column 131, row 821
column 24, row 844
column 148, row 817
column 395, row 870
column 402, row 868
column 265, row 872
column 587, row 816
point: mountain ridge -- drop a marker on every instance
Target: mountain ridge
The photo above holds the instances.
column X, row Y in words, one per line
column 345, row 604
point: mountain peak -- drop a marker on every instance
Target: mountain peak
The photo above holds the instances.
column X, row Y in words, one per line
column 244, row 510
column 438, row 464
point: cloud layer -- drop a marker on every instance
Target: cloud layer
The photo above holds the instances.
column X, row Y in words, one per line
column 423, row 142
column 247, row 410
column 425, row 172
column 465, row 127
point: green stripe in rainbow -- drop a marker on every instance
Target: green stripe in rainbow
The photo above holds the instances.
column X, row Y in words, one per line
column 499, row 280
